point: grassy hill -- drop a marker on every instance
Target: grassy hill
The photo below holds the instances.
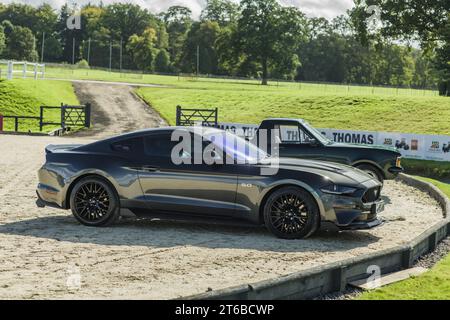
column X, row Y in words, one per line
column 24, row 97
column 328, row 109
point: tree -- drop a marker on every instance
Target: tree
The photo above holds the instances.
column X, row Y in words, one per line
column 427, row 21
column 53, row 49
column 424, row 75
column 69, row 37
column 20, row 44
column 178, row 22
column 203, row 35
column 143, row 49
column 424, row 20
column 223, row 12
column 125, row 19
column 162, row 62
column 269, row 33
column 228, row 54
column 20, row 15
column 2, row 39
column 46, row 20
column 323, row 58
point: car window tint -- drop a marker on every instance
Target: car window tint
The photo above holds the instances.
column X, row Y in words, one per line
column 128, row 146
column 159, row 145
column 293, row 134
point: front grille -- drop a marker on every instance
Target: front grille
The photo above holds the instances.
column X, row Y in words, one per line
column 371, row 195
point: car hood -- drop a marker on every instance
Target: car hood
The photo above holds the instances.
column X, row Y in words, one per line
column 364, row 146
column 338, row 173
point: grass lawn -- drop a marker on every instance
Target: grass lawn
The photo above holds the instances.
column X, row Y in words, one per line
column 211, row 83
column 24, row 97
column 434, row 284
column 435, row 169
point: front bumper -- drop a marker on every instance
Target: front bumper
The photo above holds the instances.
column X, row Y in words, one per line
column 355, row 214
column 362, row 225
column 356, row 211
column 396, row 170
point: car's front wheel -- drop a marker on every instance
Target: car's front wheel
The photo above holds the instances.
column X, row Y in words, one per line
column 291, row 213
column 94, row 202
column 372, row 171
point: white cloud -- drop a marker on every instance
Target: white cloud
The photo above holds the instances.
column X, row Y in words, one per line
column 313, row 8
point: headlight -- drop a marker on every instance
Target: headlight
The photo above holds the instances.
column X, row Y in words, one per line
column 337, row 189
column 398, row 163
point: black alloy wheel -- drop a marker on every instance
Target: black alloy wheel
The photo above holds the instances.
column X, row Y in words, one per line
column 94, row 202
column 291, row 213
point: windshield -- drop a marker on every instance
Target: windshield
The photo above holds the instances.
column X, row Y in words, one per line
column 317, row 134
column 235, row 146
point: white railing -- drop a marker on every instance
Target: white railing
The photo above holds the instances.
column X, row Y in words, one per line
column 28, row 69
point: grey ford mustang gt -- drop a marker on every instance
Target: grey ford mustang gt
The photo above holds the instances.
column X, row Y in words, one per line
column 137, row 171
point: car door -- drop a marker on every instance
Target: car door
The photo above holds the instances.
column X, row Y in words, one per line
column 295, row 142
column 185, row 188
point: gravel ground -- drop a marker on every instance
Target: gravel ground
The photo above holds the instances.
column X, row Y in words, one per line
column 44, row 251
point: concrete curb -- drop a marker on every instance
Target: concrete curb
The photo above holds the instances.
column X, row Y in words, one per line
column 334, row 277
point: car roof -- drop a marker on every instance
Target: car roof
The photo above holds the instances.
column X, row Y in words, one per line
column 144, row 132
column 285, row 119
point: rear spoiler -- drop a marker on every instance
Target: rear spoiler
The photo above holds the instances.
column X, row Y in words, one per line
column 53, row 148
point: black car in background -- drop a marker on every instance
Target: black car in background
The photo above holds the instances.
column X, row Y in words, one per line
column 298, row 139
column 137, row 171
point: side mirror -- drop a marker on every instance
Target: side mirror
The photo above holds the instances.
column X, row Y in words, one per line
column 314, row 143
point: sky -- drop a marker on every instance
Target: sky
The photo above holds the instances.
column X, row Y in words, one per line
column 313, row 8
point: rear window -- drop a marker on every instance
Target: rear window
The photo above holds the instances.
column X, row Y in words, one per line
column 130, row 146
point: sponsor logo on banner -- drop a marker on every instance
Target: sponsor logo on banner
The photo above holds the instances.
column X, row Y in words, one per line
column 413, row 146
column 344, row 136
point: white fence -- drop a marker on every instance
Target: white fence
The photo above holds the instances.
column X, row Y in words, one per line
column 412, row 146
column 23, row 69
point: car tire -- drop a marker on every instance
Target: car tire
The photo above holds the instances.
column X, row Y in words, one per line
column 291, row 213
column 94, row 202
column 372, row 171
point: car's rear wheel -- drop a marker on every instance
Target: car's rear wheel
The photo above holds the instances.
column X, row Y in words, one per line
column 372, row 171
column 94, row 202
column 291, row 213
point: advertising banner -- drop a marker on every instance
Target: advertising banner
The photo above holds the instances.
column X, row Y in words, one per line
column 411, row 146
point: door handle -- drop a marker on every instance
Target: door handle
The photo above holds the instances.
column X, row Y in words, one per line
column 149, row 169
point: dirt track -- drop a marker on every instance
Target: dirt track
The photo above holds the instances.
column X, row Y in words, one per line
column 42, row 251
column 115, row 109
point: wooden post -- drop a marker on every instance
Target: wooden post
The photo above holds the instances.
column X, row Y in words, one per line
column 41, row 118
column 10, row 70
column 1, row 123
column 87, row 115
column 63, row 114
column 178, row 120
column 216, row 117
column 16, row 124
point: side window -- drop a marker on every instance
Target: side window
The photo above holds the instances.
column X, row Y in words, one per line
column 293, row 134
column 129, row 146
column 159, row 145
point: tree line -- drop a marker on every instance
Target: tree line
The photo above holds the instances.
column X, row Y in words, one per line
column 255, row 38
